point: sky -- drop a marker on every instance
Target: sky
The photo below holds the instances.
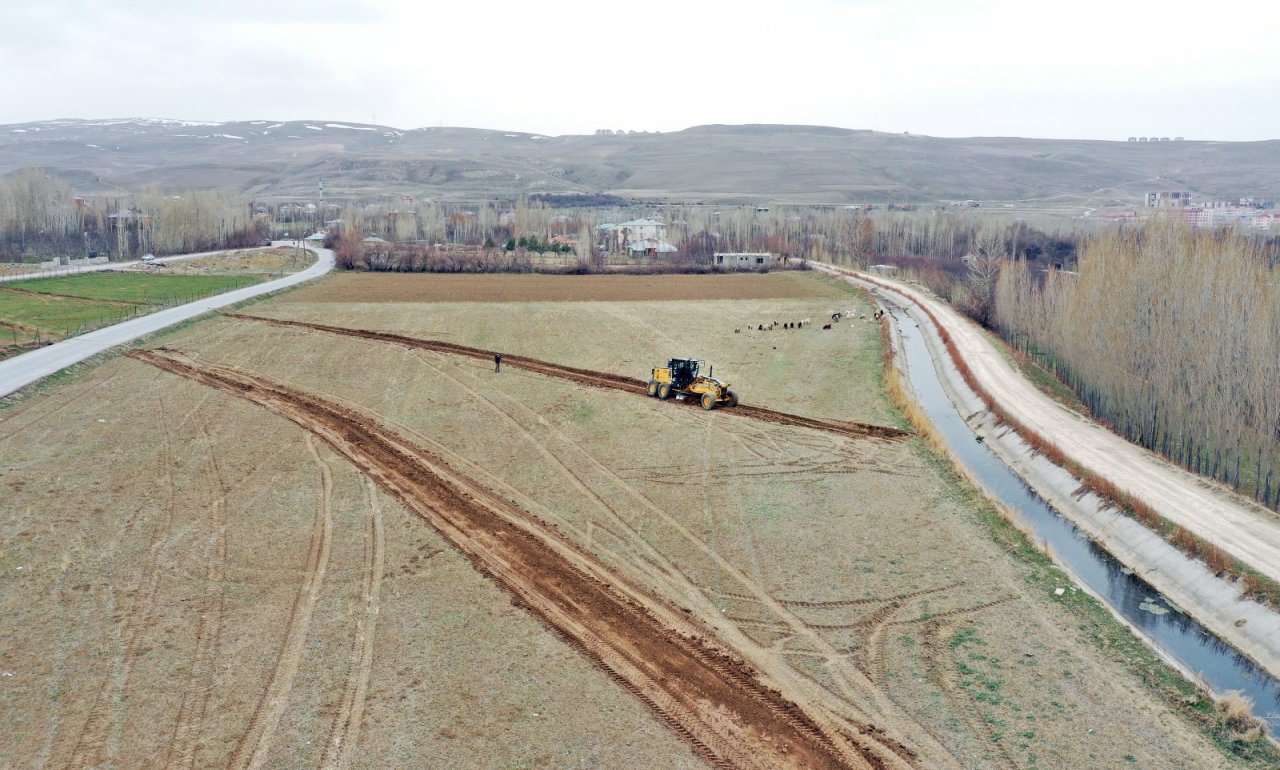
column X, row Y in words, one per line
column 1087, row 69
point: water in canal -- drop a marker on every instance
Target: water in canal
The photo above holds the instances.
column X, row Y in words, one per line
column 1184, row 639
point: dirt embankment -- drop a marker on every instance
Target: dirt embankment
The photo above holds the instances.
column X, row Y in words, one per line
column 588, row 377
column 714, row 701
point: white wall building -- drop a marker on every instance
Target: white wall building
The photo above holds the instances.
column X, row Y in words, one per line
column 618, row 238
column 743, row 260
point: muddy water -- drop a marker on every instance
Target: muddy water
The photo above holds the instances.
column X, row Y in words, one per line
column 1179, row 635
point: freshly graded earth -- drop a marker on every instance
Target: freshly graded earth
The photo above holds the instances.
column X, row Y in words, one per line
column 277, row 546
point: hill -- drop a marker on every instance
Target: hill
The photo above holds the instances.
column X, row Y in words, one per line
column 714, row 163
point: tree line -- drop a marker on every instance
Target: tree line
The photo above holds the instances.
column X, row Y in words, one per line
column 1169, row 334
column 42, row 218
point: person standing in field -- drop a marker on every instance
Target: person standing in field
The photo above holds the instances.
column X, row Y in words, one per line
column 497, row 362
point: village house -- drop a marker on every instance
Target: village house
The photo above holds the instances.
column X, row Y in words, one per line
column 645, row 236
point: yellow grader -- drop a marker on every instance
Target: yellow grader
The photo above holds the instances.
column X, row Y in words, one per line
column 680, row 377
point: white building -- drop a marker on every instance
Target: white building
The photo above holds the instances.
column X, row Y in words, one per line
column 743, row 260
column 618, row 238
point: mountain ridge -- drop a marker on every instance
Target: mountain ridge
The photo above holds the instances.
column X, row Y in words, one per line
column 712, row 163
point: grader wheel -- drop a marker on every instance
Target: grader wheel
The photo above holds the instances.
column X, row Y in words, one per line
column 708, row 401
column 652, row 390
column 664, row 390
column 733, row 398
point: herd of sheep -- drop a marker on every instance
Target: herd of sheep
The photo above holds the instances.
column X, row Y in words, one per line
column 835, row 318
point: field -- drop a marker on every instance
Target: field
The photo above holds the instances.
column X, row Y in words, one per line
column 262, row 262
column 54, row 308
column 271, row 544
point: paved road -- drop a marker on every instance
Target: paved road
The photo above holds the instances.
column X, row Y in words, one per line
column 1244, row 529
column 61, row 271
column 20, row 371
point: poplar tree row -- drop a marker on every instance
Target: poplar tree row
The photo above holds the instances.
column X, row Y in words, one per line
column 40, row 217
column 1172, row 336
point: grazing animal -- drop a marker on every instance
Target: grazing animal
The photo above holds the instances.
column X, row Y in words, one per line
column 835, row 317
column 826, row 326
column 735, row 331
column 759, row 327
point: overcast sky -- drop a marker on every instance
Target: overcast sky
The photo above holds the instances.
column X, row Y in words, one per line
column 1085, row 69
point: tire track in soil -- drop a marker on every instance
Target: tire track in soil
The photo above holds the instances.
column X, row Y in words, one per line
column 873, row 625
column 851, row 681
column 873, row 647
column 937, row 669
column 588, row 377
column 184, row 740
column 345, row 734
column 251, row 752
column 719, row 705
column 871, row 652
column 69, row 399
column 91, row 746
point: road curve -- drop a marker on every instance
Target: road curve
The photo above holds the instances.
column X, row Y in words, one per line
column 1244, row 529
column 21, row 371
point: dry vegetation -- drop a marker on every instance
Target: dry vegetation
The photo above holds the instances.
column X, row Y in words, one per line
column 270, row 262
column 41, row 216
column 203, row 582
column 1172, row 337
column 543, row 288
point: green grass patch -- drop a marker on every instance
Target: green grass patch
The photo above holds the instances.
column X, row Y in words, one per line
column 56, row 317
column 145, row 288
column 54, row 308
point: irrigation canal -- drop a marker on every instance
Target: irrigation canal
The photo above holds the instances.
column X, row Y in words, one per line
column 1179, row 635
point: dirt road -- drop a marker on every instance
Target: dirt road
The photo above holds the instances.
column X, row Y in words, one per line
column 723, row 708
column 589, row 377
column 1244, row 529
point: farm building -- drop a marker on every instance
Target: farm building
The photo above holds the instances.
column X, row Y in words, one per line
column 744, row 260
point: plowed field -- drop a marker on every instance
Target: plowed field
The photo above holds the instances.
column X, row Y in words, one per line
column 418, row 287
column 345, row 541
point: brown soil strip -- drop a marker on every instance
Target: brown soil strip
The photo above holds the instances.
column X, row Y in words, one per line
column 871, row 600
column 588, row 377
column 54, row 294
column 720, row 706
column 18, row 327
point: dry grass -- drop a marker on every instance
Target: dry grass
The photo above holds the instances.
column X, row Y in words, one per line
column 434, row 287
column 707, row 507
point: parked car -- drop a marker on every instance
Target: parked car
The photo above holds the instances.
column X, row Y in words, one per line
column 148, row 257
